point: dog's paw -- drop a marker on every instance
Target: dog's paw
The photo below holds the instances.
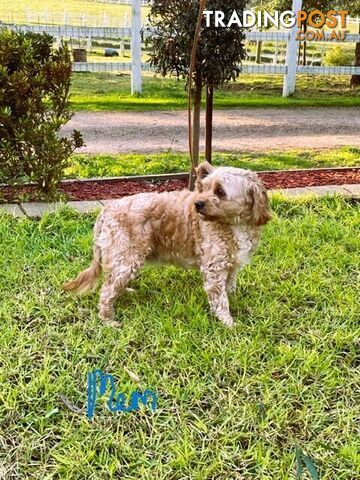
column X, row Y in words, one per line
column 107, row 317
column 111, row 323
column 228, row 321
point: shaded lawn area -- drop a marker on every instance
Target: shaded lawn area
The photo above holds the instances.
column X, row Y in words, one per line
column 112, row 165
column 232, row 404
column 110, row 91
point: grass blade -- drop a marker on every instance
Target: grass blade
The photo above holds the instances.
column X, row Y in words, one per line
column 310, row 467
column 299, row 466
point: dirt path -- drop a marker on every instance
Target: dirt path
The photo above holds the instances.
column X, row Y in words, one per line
column 234, row 130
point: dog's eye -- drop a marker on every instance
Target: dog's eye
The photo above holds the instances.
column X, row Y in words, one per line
column 219, row 192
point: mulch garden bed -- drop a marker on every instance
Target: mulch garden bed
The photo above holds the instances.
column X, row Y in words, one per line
column 108, row 189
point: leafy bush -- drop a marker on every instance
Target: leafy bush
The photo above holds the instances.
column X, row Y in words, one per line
column 34, row 104
column 337, row 56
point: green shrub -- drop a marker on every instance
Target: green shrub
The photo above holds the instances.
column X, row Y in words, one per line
column 34, row 104
column 338, row 56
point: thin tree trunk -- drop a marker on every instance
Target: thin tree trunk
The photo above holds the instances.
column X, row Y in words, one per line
column 258, row 51
column 196, row 128
column 304, row 45
column 196, row 122
column 209, row 122
column 355, row 79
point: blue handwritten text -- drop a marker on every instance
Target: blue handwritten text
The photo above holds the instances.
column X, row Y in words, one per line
column 97, row 385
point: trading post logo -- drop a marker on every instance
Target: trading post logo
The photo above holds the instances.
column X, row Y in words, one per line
column 316, row 19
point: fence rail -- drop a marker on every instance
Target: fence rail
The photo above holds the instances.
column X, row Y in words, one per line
column 317, row 70
column 249, row 69
column 284, row 37
column 127, row 67
column 67, row 31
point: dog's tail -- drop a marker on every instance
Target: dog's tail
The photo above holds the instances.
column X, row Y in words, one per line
column 87, row 280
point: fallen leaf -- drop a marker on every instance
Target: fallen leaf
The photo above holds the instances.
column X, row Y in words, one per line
column 132, row 375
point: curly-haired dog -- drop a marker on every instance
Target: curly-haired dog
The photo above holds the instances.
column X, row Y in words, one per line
column 216, row 229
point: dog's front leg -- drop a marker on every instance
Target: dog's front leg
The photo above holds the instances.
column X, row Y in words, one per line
column 215, row 287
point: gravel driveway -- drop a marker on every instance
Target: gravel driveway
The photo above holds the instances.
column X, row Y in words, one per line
column 234, row 130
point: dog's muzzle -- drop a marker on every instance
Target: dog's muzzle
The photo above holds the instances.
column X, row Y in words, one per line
column 199, row 205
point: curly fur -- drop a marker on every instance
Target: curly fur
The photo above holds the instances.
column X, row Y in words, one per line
column 215, row 229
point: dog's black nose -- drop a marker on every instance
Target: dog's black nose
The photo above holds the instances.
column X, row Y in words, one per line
column 199, row 205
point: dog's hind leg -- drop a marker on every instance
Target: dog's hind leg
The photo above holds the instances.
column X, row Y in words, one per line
column 116, row 281
column 215, row 287
column 231, row 281
column 87, row 280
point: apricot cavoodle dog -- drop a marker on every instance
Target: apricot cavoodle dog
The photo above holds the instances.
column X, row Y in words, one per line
column 216, row 229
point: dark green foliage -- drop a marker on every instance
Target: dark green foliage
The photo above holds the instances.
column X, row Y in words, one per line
column 353, row 6
column 220, row 50
column 34, row 104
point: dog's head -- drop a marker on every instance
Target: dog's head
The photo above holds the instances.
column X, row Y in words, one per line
column 231, row 195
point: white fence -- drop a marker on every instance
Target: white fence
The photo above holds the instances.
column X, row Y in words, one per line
column 67, row 31
column 289, row 70
column 71, row 31
column 46, row 17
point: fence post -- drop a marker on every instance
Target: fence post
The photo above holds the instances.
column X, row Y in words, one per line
column 136, row 86
column 291, row 55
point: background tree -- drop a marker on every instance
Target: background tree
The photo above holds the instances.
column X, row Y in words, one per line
column 307, row 6
column 219, row 53
column 34, row 104
column 354, row 10
column 353, row 6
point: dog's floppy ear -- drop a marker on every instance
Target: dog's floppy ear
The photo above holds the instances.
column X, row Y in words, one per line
column 202, row 171
column 260, row 210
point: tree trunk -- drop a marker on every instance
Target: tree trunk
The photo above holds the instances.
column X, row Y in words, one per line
column 355, row 79
column 258, row 51
column 196, row 128
column 209, row 122
column 79, row 54
column 304, row 45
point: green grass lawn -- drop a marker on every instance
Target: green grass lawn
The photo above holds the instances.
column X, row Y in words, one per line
column 109, row 91
column 106, row 165
column 232, row 404
column 92, row 13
